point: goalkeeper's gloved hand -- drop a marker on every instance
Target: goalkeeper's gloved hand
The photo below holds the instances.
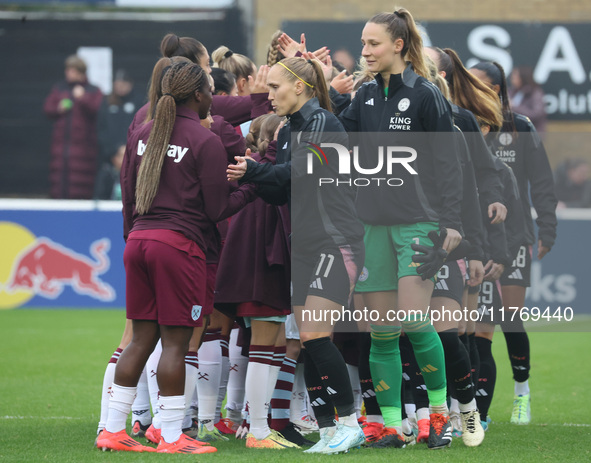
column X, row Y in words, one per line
column 430, row 258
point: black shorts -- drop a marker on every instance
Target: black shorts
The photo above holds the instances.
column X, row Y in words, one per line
column 474, row 289
column 450, row 281
column 331, row 274
column 490, row 302
column 519, row 274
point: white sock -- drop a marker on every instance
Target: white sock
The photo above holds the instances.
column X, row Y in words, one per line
column 299, row 395
column 156, row 421
column 106, row 394
column 172, row 410
column 422, row 414
column 454, row 406
column 190, row 387
column 141, row 405
column 223, row 385
column 257, row 380
column 236, row 379
column 151, row 369
column 356, row 386
column 411, row 410
column 522, row 388
column 406, row 426
column 208, row 380
column 440, row 409
column 375, row 419
column 119, row 407
column 469, row 407
column 350, row 420
column 272, row 381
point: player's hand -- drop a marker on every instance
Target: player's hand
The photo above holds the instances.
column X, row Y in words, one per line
column 323, row 54
column 452, row 240
column 259, row 84
column 542, row 250
column 247, row 155
column 476, row 272
column 431, row 258
column 493, row 271
column 289, row 47
column 236, row 171
column 342, row 83
column 497, row 212
column 326, row 67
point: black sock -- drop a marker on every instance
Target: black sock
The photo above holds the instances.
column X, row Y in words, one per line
column 457, row 366
column 518, row 348
column 419, row 390
column 402, row 401
column 474, row 359
column 319, row 398
column 407, row 386
column 367, row 391
column 333, row 372
column 465, row 341
column 488, row 376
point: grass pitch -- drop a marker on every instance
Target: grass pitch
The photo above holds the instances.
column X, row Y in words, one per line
column 52, row 364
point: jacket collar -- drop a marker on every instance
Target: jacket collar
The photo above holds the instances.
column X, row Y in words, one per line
column 183, row 111
column 298, row 118
column 408, row 78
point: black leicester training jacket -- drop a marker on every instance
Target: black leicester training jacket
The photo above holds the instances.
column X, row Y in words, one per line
column 524, row 152
column 413, row 114
column 322, row 212
column 487, row 179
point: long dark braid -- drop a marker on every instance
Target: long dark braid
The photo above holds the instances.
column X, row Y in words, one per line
column 178, row 84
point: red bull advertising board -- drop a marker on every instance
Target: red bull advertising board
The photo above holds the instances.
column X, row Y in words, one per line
column 66, row 254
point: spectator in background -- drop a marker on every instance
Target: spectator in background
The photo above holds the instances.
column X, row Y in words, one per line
column 73, row 105
column 107, row 184
column 344, row 57
column 527, row 98
column 115, row 116
column 572, row 184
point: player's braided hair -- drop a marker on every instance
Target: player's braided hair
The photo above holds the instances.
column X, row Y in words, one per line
column 273, row 53
column 155, row 89
column 179, row 83
column 252, row 137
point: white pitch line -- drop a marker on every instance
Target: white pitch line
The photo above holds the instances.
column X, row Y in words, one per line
column 543, row 425
column 40, row 418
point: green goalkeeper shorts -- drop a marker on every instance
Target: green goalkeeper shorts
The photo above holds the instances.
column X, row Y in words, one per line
column 388, row 255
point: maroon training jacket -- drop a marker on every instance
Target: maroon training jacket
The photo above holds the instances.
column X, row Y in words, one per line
column 74, row 148
column 193, row 192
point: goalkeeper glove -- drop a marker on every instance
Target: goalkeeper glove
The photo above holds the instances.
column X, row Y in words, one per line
column 430, row 258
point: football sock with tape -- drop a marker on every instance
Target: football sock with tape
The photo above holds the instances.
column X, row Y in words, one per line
column 333, row 372
column 488, row 376
column 430, row 357
column 386, row 371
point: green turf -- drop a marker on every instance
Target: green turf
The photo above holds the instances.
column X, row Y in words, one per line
column 52, row 363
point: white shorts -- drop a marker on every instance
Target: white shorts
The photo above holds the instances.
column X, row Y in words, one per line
column 291, row 328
